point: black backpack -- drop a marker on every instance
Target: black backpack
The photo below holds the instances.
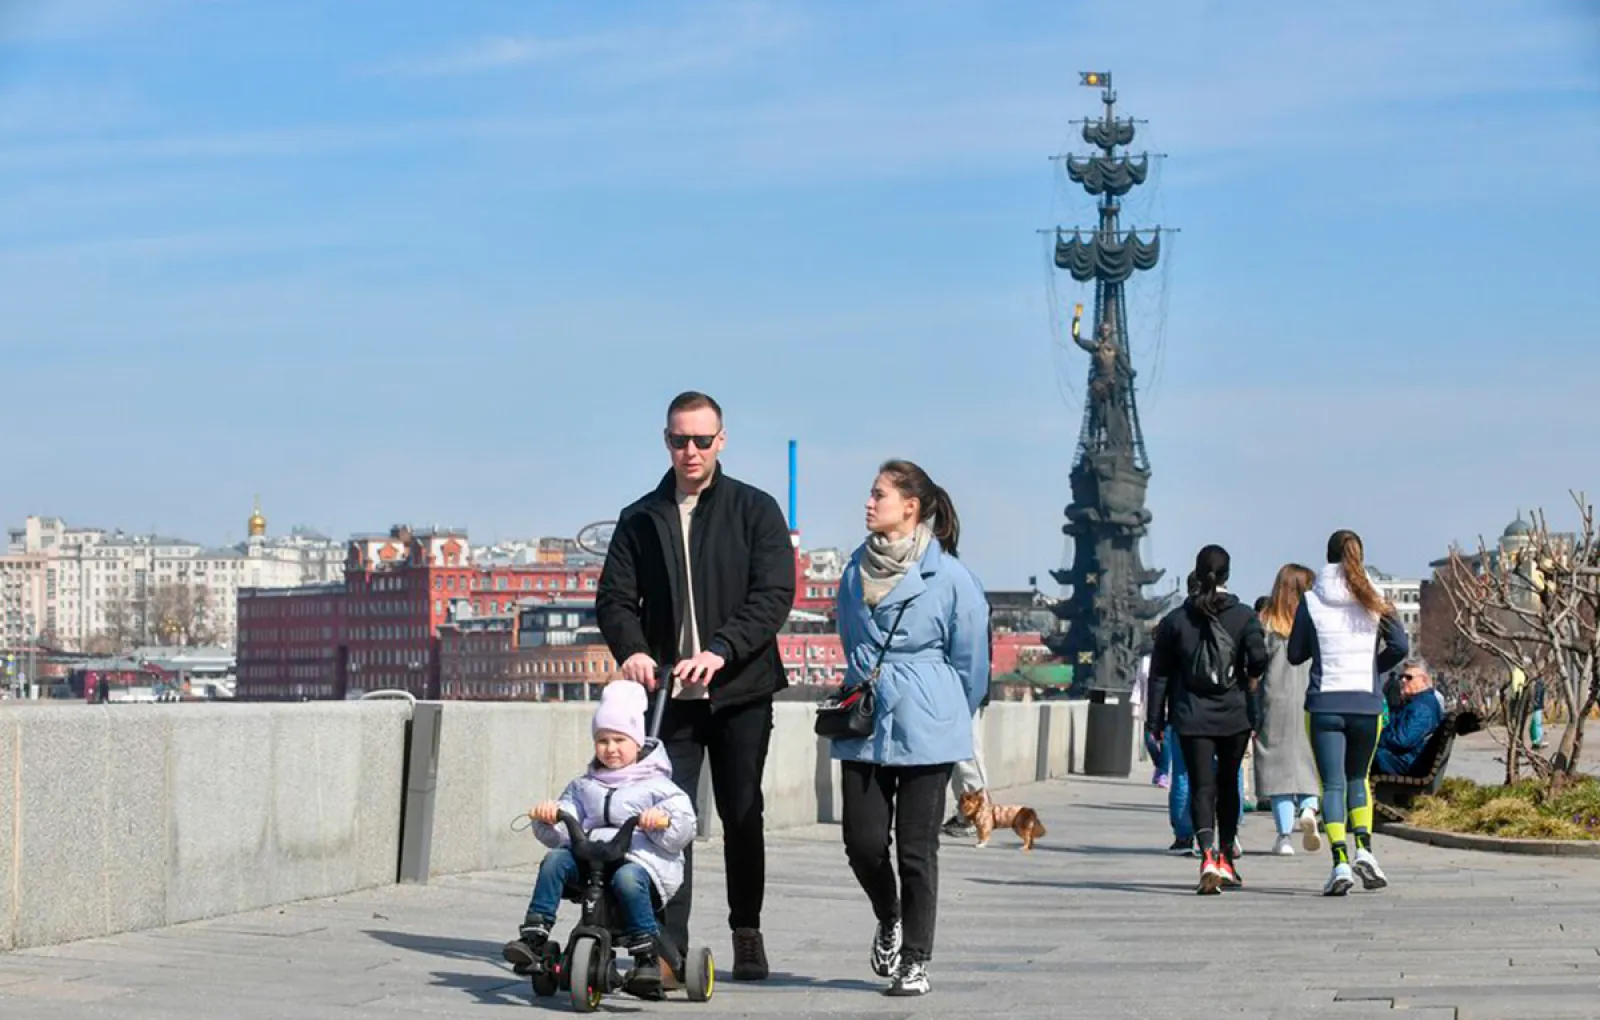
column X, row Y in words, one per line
column 1213, row 666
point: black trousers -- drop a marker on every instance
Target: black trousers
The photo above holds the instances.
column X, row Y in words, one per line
column 1214, row 794
column 735, row 741
column 910, row 800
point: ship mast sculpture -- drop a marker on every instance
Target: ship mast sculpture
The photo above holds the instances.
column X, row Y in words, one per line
column 1107, row 616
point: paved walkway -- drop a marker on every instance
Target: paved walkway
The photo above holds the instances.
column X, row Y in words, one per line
column 1098, row 922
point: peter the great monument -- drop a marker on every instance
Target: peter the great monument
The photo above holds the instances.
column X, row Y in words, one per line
column 1107, row 617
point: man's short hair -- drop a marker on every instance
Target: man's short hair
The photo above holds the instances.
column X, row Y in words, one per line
column 1417, row 663
column 693, row 400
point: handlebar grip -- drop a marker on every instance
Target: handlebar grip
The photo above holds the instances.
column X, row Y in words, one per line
column 663, row 692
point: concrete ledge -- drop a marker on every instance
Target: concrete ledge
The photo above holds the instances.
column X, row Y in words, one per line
column 122, row 817
column 1492, row 844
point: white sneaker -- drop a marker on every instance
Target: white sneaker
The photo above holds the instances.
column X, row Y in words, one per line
column 1340, row 882
column 1311, row 839
column 1366, row 867
column 910, row 978
column 1284, row 846
column 886, row 949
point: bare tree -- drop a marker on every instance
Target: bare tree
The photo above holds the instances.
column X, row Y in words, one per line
column 101, row 644
column 124, row 622
column 1535, row 608
column 180, row 614
column 1471, row 671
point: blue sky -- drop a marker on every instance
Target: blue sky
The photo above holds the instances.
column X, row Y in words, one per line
column 411, row 261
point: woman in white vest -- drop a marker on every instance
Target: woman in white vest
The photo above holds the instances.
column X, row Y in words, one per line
column 1352, row 636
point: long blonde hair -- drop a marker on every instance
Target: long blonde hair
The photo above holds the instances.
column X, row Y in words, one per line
column 1292, row 582
column 1345, row 549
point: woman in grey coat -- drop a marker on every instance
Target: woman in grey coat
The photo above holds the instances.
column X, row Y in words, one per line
column 1285, row 771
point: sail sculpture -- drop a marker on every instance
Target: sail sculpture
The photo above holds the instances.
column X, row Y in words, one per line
column 1107, row 616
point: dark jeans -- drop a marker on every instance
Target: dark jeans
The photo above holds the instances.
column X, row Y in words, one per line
column 735, row 740
column 911, row 800
column 1214, row 795
column 631, row 885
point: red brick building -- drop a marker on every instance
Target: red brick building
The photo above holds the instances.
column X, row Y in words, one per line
column 290, row 641
column 414, row 614
column 380, row 628
column 544, row 650
column 816, row 578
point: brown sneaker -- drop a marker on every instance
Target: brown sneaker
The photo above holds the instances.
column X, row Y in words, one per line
column 749, row 955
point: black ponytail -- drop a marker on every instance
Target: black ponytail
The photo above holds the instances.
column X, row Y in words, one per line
column 1211, row 566
column 937, row 509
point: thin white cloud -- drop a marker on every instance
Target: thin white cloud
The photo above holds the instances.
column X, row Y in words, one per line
column 94, row 253
column 1222, row 92
column 715, row 37
column 499, row 52
column 26, row 22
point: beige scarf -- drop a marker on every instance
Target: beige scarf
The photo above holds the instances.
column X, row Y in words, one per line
column 885, row 562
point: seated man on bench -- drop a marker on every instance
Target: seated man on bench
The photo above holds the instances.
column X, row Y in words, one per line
column 1410, row 727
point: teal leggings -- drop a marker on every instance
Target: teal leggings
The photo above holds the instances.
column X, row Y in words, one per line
column 1343, row 746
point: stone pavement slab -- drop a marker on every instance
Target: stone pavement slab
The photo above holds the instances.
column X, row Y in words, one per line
column 1097, row 922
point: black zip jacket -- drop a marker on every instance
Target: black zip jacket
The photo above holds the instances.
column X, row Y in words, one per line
column 1194, row 715
column 743, row 569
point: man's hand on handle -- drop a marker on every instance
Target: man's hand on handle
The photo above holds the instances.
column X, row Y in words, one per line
column 641, row 669
column 700, row 669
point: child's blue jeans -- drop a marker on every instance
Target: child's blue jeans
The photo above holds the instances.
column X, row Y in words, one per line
column 631, row 885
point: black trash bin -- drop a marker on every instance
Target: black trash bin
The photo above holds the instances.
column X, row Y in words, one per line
column 1108, row 745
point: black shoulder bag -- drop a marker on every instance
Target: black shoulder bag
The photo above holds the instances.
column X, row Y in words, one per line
column 848, row 714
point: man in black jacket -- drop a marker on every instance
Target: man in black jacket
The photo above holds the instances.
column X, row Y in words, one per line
column 701, row 574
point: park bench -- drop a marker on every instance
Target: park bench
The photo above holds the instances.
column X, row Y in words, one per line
column 1392, row 795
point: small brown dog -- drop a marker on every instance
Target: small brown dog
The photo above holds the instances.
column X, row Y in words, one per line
column 986, row 816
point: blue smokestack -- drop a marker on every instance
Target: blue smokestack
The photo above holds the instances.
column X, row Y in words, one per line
column 794, row 487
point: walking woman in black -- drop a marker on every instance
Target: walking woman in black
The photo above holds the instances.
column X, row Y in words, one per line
column 1209, row 655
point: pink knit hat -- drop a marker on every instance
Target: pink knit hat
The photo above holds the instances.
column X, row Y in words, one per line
column 623, row 704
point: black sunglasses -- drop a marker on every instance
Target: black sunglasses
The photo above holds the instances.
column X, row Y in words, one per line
column 680, row 441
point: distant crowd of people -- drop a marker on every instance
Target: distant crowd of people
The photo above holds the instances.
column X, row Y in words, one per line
column 1296, row 684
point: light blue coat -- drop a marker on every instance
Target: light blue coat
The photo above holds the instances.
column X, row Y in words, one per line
column 936, row 673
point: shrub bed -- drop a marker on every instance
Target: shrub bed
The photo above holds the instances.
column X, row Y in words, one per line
column 1525, row 810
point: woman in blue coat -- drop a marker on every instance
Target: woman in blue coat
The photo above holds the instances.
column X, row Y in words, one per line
column 907, row 599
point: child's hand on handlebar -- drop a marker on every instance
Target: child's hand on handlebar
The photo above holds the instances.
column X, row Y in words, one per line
column 654, row 818
column 546, row 812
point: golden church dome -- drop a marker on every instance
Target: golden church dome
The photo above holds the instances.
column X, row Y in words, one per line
column 258, row 524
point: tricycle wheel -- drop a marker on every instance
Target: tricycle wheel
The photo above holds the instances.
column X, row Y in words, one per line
column 700, row 974
column 587, row 982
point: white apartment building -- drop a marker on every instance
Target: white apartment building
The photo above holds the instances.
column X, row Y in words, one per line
column 22, row 602
column 1407, row 598
column 150, row 589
